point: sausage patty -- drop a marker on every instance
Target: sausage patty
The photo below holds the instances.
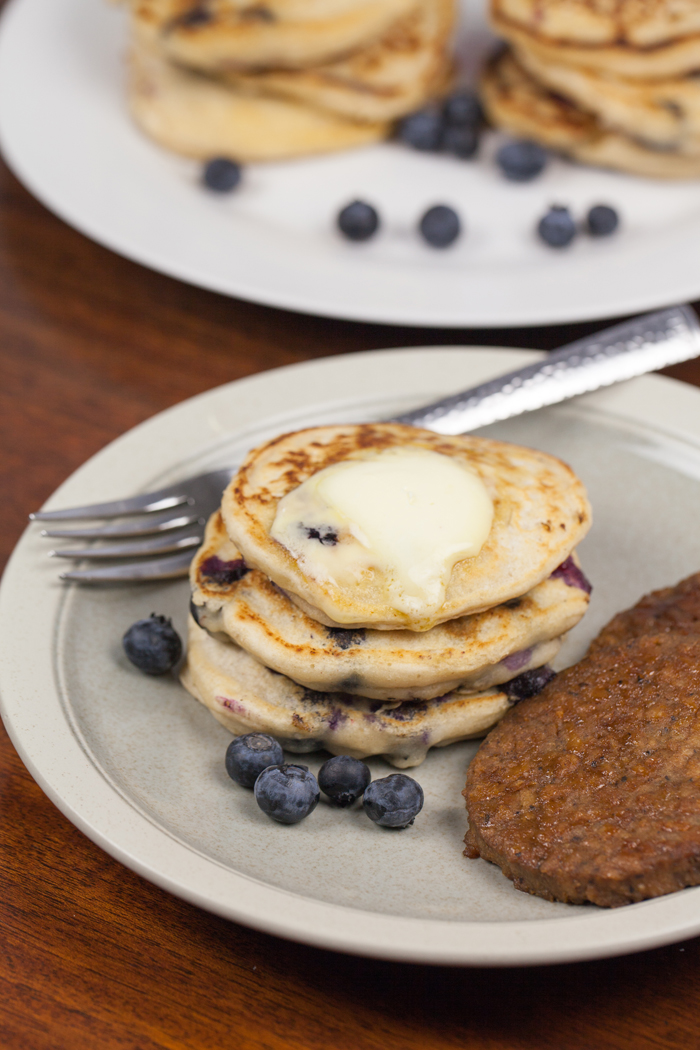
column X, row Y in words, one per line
column 591, row 790
column 673, row 609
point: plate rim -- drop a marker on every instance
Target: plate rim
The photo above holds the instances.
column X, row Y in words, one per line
column 70, row 779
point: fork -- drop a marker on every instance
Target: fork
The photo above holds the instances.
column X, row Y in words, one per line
column 169, row 523
column 174, row 535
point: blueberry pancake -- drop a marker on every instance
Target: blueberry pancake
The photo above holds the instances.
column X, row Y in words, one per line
column 245, row 696
column 202, row 118
column 643, row 39
column 408, row 64
column 663, row 114
column 522, row 106
column 218, row 35
column 472, row 652
column 389, row 526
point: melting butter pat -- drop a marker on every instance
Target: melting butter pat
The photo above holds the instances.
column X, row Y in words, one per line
column 398, row 520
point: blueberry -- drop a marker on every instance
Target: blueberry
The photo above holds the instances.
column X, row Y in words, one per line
column 572, row 576
column 223, row 573
column 529, row 683
column 422, row 130
column 462, row 109
column 196, row 16
column 153, row 645
column 343, row 779
column 602, row 220
column 557, row 228
column 461, row 141
column 221, row 174
column 440, row 226
column 521, row 161
column 287, row 793
column 358, row 221
column 248, row 755
column 325, row 535
column 394, row 801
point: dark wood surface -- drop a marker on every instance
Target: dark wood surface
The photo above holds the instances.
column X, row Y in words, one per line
column 94, row 956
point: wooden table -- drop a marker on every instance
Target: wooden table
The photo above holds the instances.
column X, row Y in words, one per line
column 94, row 956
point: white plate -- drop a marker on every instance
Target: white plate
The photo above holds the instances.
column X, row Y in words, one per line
column 137, row 764
column 65, row 132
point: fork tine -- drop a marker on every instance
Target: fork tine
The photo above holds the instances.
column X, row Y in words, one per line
column 137, row 549
column 146, row 504
column 204, row 490
column 146, row 525
column 157, row 569
column 201, row 492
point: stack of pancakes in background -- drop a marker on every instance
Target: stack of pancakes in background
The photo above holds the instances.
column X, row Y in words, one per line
column 608, row 82
column 320, row 665
column 267, row 80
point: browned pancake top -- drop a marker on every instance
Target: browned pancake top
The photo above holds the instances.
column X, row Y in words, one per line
column 540, row 514
column 636, row 24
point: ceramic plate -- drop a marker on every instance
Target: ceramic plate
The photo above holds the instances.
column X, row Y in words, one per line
column 137, row 764
column 65, row 132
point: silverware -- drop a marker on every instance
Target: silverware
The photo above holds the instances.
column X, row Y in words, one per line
column 621, row 352
column 192, row 501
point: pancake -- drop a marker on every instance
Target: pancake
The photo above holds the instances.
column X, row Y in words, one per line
column 201, row 118
column 520, row 105
column 541, row 512
column 642, row 39
column 665, row 114
column 474, row 652
column 246, row 697
column 389, row 78
column 217, row 35
column 596, row 23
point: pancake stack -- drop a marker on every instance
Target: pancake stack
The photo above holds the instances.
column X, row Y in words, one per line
column 282, row 78
column 612, row 84
column 319, row 664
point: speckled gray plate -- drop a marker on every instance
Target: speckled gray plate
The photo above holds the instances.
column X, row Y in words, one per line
column 137, row 764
